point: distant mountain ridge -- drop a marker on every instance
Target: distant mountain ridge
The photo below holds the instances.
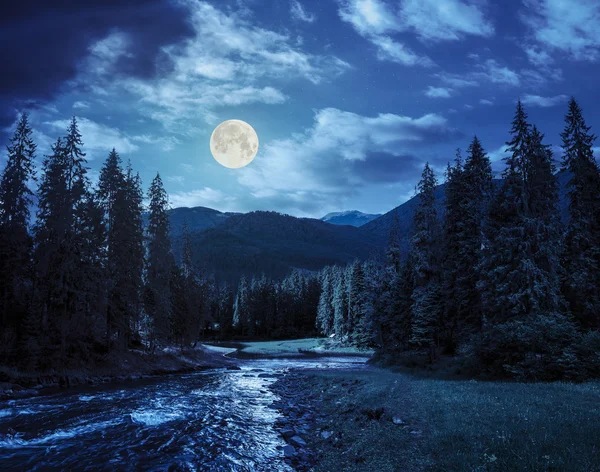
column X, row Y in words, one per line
column 351, row 218
column 274, row 244
column 234, row 244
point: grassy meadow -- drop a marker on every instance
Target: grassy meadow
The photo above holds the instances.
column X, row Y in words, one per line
column 460, row 425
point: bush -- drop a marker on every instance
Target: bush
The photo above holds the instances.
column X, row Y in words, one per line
column 539, row 348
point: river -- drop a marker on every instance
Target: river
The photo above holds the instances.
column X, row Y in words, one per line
column 215, row 420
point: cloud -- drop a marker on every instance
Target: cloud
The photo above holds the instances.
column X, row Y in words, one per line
column 372, row 19
column 206, row 196
column 166, row 143
column 567, row 27
column 438, row 92
column 81, row 105
column 455, row 80
column 545, row 102
column 495, row 73
column 97, row 137
column 483, row 101
column 50, row 39
column 227, row 61
column 299, row 13
column 393, row 51
column 430, row 20
column 496, row 157
column 179, row 179
column 444, row 20
column 538, row 56
column 341, row 153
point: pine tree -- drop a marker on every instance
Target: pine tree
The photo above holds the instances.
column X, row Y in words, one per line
column 15, row 240
column 543, row 227
column 425, row 249
column 451, row 260
column 340, row 304
column 324, row 321
column 582, row 241
column 356, row 300
column 475, row 184
column 113, row 196
column 505, row 262
column 241, row 308
column 160, row 262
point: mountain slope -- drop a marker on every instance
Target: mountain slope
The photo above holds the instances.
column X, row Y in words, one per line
column 351, row 218
column 198, row 219
column 269, row 242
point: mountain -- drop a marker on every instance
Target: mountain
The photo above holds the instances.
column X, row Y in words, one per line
column 351, row 218
column 274, row 244
column 198, row 219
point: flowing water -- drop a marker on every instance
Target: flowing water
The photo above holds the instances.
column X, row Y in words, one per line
column 217, row 420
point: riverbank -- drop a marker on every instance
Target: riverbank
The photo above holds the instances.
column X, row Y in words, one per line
column 121, row 366
column 292, row 348
column 376, row 420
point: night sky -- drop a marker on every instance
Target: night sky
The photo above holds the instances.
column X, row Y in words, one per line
column 349, row 97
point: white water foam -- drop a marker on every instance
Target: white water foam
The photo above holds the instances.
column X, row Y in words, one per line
column 153, row 417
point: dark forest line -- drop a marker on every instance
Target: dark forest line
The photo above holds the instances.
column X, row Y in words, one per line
column 496, row 279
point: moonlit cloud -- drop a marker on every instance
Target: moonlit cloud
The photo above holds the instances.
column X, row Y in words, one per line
column 225, row 63
column 569, row 27
column 429, row 20
column 341, row 153
column 178, row 179
column 97, row 137
column 545, row 102
column 299, row 12
column 438, row 92
column 206, row 196
column 484, row 101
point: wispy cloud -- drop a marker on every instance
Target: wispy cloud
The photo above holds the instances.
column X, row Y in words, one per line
column 545, row 102
column 341, row 153
column 206, row 196
column 438, row 92
column 430, row 21
column 494, row 72
column 484, row 101
column 97, row 137
column 299, row 13
column 227, row 61
column 178, row 179
column 81, row 105
column 567, row 27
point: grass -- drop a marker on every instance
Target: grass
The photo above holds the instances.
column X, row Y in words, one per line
column 455, row 425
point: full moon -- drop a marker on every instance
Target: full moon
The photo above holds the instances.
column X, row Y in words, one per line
column 234, row 143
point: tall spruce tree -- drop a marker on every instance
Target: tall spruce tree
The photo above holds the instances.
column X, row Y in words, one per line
column 451, row 260
column 340, row 304
column 426, row 307
column 241, row 307
column 113, row 196
column 582, row 241
column 324, row 321
column 503, row 284
column 160, row 262
column 476, row 185
column 15, row 240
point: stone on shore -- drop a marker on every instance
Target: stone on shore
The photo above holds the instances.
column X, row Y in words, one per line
column 289, row 451
column 298, row 441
